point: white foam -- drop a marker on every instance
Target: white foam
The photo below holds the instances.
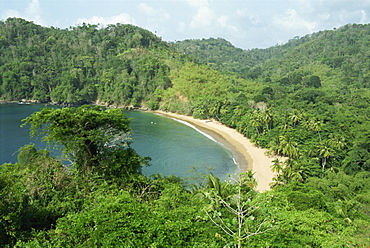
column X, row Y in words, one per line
column 192, row 126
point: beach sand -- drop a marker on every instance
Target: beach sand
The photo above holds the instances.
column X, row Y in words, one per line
column 246, row 154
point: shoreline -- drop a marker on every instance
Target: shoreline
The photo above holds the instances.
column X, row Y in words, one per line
column 246, row 154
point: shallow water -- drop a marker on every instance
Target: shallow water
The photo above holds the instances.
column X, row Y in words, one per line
column 178, row 148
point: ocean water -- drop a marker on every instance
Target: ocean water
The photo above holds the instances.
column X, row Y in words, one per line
column 178, row 148
column 175, row 147
column 12, row 136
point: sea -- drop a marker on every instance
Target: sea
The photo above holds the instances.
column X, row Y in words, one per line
column 175, row 147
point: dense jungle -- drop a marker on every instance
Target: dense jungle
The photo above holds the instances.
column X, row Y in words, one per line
column 307, row 100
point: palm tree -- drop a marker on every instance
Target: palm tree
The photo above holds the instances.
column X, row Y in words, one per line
column 297, row 173
column 337, row 142
column 237, row 113
column 329, row 147
column 292, row 171
column 266, row 118
column 213, row 182
column 295, row 118
column 315, row 125
column 248, row 179
column 256, row 121
column 288, row 147
column 277, row 166
column 325, row 152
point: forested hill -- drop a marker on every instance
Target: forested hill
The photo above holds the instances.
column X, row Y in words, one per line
column 221, row 54
column 346, row 49
column 82, row 64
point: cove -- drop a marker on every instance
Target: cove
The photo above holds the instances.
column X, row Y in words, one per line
column 175, row 148
column 178, row 148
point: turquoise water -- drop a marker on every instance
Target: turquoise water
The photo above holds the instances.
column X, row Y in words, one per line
column 12, row 136
column 175, row 148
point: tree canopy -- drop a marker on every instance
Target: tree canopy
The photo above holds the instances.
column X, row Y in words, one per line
column 90, row 137
column 307, row 100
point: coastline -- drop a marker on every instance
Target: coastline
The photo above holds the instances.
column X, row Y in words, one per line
column 246, row 154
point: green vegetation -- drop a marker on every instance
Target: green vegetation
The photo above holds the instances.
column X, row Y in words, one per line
column 307, row 100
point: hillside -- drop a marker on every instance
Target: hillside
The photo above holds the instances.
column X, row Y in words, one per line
column 307, row 100
column 221, row 54
column 83, row 64
column 334, row 48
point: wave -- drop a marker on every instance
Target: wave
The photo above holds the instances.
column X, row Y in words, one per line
column 195, row 128
column 203, row 133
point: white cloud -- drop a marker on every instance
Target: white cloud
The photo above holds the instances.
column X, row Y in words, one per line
column 204, row 15
column 324, row 17
column 203, row 18
column 293, row 21
column 33, row 12
column 147, row 9
column 223, row 21
column 181, row 27
column 123, row 18
column 12, row 13
column 363, row 16
column 198, row 3
column 255, row 19
column 305, row 6
column 155, row 14
column 242, row 12
column 33, row 8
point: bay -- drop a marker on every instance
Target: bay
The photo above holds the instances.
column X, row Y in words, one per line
column 175, row 148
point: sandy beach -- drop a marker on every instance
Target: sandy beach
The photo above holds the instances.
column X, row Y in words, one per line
column 246, row 154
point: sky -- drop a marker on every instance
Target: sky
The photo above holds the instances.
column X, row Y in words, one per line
column 247, row 24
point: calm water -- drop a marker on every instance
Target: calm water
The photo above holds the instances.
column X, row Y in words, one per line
column 12, row 136
column 175, row 148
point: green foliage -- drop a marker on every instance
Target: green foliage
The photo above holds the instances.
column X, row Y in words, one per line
column 82, row 64
column 194, row 81
column 91, row 137
column 114, row 217
column 34, row 193
column 236, row 209
column 220, row 54
column 307, row 99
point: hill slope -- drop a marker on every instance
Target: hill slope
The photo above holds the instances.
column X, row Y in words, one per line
column 339, row 49
column 80, row 65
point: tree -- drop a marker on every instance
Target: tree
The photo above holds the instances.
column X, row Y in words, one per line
column 256, row 121
column 315, row 125
column 295, row 118
column 286, row 146
column 313, row 81
column 240, row 214
column 329, row 147
column 91, row 137
column 277, row 166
